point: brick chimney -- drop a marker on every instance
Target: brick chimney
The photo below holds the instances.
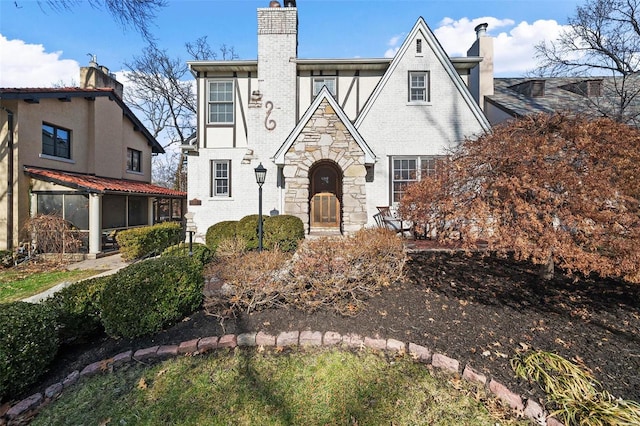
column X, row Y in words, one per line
column 481, row 77
column 98, row 77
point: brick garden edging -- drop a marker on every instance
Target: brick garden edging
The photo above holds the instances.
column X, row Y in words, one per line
column 527, row 408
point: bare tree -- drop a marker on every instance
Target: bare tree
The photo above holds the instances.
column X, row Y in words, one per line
column 551, row 189
column 602, row 38
column 161, row 89
column 136, row 14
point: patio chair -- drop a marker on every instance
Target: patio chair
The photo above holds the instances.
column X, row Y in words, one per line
column 385, row 219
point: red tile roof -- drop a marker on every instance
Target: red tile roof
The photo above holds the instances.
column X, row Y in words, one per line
column 101, row 185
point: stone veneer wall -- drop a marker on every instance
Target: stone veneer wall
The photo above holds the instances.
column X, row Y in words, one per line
column 325, row 137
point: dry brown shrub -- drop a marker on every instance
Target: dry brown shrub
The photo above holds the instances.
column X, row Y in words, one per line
column 338, row 273
column 231, row 247
column 52, row 234
column 250, row 280
column 342, row 273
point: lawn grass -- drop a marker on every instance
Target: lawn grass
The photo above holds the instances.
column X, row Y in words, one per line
column 269, row 387
column 17, row 284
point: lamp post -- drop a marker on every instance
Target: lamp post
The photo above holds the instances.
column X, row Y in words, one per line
column 261, row 175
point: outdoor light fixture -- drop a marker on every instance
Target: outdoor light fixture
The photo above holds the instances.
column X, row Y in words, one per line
column 261, row 175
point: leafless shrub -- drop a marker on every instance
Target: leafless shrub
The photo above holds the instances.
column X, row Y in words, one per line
column 339, row 273
column 231, row 247
column 52, row 234
column 343, row 273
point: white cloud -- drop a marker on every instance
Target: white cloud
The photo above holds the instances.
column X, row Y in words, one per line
column 394, row 44
column 28, row 65
column 514, row 52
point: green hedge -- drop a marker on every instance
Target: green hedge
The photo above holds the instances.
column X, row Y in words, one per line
column 77, row 309
column 28, row 344
column 247, row 229
column 220, row 231
column 285, row 231
column 147, row 296
column 136, row 243
column 199, row 252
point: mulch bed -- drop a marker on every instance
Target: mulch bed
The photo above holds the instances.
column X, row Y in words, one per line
column 480, row 310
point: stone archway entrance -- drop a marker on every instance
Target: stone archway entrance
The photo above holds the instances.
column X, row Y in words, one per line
column 325, row 195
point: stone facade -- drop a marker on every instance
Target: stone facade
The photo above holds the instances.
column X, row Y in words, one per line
column 326, row 138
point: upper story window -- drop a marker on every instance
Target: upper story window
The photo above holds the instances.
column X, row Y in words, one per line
column 220, row 98
column 419, row 86
column 56, row 141
column 221, row 178
column 419, row 45
column 319, row 82
column 134, row 157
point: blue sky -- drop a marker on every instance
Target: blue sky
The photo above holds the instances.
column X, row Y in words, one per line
column 40, row 47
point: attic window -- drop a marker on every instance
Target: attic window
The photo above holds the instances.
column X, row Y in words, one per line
column 419, row 45
column 320, row 82
column 531, row 88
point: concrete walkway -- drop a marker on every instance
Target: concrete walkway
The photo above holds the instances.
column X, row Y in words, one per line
column 106, row 265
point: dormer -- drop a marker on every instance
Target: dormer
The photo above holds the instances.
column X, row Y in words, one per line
column 530, row 88
column 589, row 88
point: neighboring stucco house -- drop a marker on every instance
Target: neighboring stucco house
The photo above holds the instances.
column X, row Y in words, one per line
column 80, row 153
column 592, row 96
column 338, row 137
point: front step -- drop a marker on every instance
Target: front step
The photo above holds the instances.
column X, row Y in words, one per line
column 323, row 232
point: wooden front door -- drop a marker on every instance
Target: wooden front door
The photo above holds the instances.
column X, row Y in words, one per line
column 326, row 185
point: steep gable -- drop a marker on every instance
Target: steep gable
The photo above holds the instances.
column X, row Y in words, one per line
column 449, row 98
column 324, row 95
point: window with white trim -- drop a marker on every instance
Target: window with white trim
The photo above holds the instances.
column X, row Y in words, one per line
column 56, row 141
column 407, row 170
column 221, row 101
column 419, row 86
column 221, row 178
column 319, row 82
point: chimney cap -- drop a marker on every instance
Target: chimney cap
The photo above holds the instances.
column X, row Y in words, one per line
column 481, row 29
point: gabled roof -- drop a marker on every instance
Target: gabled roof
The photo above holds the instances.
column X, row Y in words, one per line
column 33, row 95
column 447, row 65
column 324, row 94
column 101, row 185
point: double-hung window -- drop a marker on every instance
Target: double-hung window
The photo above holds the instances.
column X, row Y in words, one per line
column 419, row 86
column 56, row 141
column 134, row 162
column 221, row 178
column 407, row 170
column 220, row 98
column 319, row 82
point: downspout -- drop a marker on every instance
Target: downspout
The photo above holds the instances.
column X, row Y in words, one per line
column 9, row 179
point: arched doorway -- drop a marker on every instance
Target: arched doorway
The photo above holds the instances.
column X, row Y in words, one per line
column 325, row 195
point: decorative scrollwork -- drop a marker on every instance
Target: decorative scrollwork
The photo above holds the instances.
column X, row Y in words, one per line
column 269, row 124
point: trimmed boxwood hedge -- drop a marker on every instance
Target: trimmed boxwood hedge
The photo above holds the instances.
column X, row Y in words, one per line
column 77, row 309
column 285, row 231
column 220, row 231
column 136, row 243
column 28, row 344
column 144, row 297
column 199, row 252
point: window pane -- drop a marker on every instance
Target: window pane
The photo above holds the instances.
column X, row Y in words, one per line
column 221, row 178
column 318, row 83
column 138, row 208
column 47, row 140
column 50, row 204
column 76, row 210
column 114, row 211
